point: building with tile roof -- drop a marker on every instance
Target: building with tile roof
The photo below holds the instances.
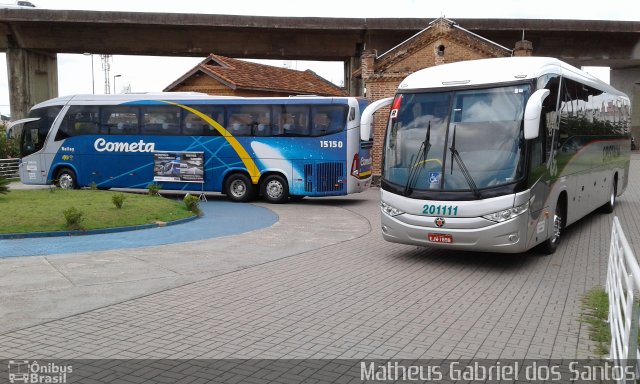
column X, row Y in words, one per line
column 224, row 76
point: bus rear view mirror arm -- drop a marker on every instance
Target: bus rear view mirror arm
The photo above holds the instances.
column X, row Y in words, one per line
column 532, row 113
column 366, row 119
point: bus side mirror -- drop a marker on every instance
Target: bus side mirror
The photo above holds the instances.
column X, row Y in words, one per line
column 532, row 113
column 14, row 129
column 366, row 120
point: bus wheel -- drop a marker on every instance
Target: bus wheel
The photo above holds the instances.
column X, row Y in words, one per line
column 611, row 204
column 275, row 189
column 551, row 244
column 66, row 179
column 239, row 188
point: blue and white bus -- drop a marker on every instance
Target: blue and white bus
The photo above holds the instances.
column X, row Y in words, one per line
column 500, row 155
column 243, row 147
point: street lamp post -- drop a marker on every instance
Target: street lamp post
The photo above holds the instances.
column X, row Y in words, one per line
column 114, row 83
column 93, row 82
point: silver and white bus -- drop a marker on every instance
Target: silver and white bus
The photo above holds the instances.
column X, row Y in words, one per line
column 500, row 155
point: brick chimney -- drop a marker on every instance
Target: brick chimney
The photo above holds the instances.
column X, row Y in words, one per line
column 367, row 63
column 523, row 48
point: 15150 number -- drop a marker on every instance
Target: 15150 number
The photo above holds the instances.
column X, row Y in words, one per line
column 330, row 144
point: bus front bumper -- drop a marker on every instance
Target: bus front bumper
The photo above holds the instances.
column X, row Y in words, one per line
column 505, row 237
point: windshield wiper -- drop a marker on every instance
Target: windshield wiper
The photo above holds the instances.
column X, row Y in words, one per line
column 456, row 156
column 423, row 151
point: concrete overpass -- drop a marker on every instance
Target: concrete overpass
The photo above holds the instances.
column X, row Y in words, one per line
column 33, row 37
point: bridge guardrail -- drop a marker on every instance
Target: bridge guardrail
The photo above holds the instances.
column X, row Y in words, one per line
column 623, row 286
column 9, row 168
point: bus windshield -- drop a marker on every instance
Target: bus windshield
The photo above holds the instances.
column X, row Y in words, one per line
column 457, row 140
column 32, row 134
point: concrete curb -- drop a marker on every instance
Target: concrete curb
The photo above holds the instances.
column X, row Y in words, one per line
column 30, row 235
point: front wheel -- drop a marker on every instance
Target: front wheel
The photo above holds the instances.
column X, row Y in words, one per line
column 611, row 204
column 239, row 188
column 551, row 244
column 66, row 179
column 275, row 189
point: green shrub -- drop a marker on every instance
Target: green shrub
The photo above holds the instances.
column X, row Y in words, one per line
column 8, row 147
column 118, row 199
column 93, row 186
column 73, row 217
column 192, row 203
column 4, row 185
column 154, row 189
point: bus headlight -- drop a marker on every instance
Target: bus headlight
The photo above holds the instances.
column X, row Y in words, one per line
column 389, row 210
column 507, row 214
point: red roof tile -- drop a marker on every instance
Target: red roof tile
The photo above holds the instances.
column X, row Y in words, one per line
column 240, row 74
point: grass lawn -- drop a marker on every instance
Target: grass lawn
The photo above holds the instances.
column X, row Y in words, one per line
column 42, row 210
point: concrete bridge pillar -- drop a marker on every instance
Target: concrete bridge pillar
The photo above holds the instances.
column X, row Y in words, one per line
column 355, row 86
column 33, row 78
column 628, row 81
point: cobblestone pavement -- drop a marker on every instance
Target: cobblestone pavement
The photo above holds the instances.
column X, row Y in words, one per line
column 360, row 298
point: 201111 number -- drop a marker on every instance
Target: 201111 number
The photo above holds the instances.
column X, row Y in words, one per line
column 449, row 210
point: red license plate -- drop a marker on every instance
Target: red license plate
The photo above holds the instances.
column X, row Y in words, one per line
column 440, row 238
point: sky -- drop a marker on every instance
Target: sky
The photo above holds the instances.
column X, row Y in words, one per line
column 75, row 70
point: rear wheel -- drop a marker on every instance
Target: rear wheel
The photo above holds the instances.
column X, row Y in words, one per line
column 238, row 187
column 66, row 179
column 275, row 189
column 551, row 244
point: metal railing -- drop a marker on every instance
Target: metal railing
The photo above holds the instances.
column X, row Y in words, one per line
column 9, row 168
column 623, row 285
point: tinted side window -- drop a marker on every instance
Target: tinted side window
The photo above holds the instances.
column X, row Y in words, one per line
column 194, row 125
column 120, row 120
column 328, row 119
column 294, row 120
column 160, row 120
column 244, row 120
column 80, row 120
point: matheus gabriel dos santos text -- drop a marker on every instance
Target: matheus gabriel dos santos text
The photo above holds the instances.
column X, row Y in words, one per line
column 495, row 370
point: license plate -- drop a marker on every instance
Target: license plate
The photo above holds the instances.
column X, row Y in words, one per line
column 440, row 238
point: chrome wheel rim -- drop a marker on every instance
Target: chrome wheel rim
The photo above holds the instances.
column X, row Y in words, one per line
column 65, row 181
column 557, row 227
column 274, row 189
column 238, row 188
